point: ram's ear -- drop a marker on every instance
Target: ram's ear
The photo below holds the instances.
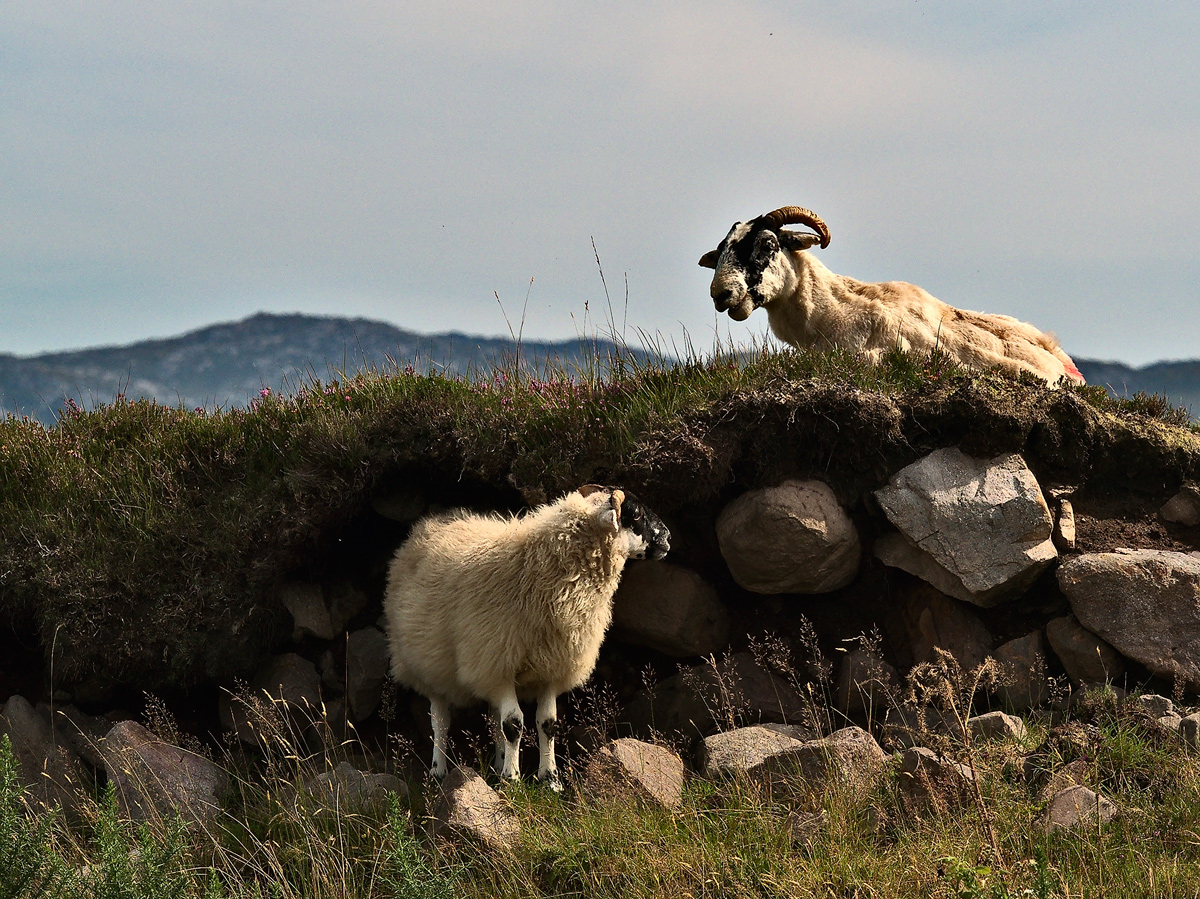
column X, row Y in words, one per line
column 798, row 240
column 709, row 259
column 589, row 489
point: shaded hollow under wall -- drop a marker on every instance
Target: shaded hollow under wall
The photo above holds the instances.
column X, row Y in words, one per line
column 1121, row 469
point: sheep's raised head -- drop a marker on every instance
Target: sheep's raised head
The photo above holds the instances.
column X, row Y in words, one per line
column 646, row 535
column 750, row 270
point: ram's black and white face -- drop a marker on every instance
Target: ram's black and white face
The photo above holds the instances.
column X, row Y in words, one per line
column 751, row 267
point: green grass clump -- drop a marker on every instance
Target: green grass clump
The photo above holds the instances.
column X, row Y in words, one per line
column 28, row 866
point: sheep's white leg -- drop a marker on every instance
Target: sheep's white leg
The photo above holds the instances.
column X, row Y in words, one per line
column 547, row 725
column 511, row 723
column 439, row 716
column 498, row 759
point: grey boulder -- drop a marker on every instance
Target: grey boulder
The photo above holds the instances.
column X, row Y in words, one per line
column 1145, row 603
column 977, row 530
column 670, row 609
column 155, row 780
column 1086, row 658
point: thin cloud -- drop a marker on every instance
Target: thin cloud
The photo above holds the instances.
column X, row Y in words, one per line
column 165, row 166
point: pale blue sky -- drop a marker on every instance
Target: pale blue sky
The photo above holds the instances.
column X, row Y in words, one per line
column 167, row 165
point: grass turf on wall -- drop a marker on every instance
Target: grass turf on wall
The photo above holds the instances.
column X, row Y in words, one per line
column 144, row 543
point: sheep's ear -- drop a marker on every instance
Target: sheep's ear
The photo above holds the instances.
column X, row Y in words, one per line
column 589, row 489
column 709, row 259
column 612, row 515
column 798, row 240
column 618, row 497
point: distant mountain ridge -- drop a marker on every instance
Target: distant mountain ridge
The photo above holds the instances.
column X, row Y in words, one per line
column 226, row 364
column 1179, row 382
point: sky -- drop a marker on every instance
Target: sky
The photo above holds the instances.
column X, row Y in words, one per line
column 465, row 165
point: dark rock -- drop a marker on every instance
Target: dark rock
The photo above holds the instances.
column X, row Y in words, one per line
column 345, row 788
column 366, row 670
column 1022, row 663
column 1085, row 657
column 155, row 780
column 669, row 609
column 1184, row 507
column 321, row 610
column 1154, row 705
column 287, row 686
column 703, row 699
column 929, row 620
column 805, row 828
column 49, row 767
column 866, row 684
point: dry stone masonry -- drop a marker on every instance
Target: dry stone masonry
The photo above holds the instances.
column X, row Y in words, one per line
column 950, row 554
column 979, row 531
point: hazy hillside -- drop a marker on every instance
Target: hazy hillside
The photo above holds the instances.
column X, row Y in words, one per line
column 1179, row 381
column 227, row 363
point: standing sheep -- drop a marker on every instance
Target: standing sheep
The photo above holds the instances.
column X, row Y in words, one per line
column 502, row 609
column 760, row 264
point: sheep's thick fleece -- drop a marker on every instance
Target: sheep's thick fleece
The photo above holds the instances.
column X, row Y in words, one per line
column 476, row 604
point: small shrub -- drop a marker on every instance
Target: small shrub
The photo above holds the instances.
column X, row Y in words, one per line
column 29, row 868
column 135, row 862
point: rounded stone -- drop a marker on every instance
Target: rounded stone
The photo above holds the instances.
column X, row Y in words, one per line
column 669, row 609
column 793, row 538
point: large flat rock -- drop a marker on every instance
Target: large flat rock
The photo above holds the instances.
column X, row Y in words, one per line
column 1146, row 603
column 978, row 530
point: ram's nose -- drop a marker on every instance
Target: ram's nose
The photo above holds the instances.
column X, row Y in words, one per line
column 721, row 297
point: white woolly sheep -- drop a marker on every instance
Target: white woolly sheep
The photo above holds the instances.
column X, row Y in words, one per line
column 760, row 264
column 502, row 609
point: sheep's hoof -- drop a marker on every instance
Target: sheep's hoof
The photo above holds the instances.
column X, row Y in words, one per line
column 551, row 780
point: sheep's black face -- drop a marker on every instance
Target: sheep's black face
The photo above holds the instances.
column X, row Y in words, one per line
column 651, row 539
column 751, row 269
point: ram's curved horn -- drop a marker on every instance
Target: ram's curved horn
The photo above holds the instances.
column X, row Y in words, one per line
column 797, row 215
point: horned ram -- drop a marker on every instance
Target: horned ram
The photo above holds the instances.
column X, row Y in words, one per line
column 760, row 264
